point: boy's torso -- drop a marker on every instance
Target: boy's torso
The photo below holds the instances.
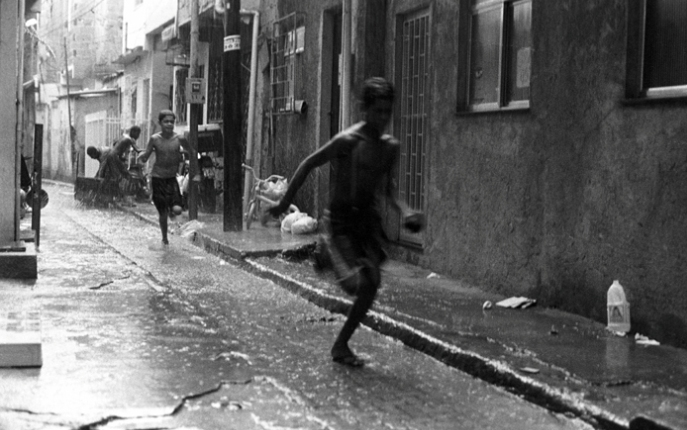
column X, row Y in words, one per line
column 360, row 170
column 167, row 155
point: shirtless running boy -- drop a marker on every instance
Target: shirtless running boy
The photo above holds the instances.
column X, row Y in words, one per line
column 168, row 147
column 363, row 161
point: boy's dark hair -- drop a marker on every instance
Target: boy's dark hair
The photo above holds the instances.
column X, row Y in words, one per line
column 164, row 113
column 93, row 152
column 134, row 128
column 377, row 88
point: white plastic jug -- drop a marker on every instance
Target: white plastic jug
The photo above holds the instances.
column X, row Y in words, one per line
column 618, row 309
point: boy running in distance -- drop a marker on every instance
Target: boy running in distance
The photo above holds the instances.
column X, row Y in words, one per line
column 363, row 161
column 168, row 146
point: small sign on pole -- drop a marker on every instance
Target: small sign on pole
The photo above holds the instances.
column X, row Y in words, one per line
column 195, row 90
column 232, row 42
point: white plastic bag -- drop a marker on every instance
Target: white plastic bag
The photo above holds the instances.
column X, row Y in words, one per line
column 304, row 225
column 289, row 219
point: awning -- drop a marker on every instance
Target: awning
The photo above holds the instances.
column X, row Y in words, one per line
column 130, row 56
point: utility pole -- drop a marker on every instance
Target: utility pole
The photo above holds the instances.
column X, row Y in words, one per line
column 193, row 114
column 232, row 123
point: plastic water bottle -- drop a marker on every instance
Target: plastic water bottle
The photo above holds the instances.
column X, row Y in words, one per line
column 618, row 309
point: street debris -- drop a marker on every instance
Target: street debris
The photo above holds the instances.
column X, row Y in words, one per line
column 643, row 340
column 189, row 229
column 553, row 331
column 432, row 275
column 487, row 305
column 231, row 354
column 529, row 370
column 517, row 303
column 224, row 402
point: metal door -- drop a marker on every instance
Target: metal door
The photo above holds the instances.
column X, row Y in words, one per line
column 412, row 122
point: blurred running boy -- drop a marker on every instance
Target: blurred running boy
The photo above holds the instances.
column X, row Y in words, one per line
column 168, row 147
column 364, row 160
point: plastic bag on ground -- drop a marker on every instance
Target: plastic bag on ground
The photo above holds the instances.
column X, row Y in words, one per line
column 304, row 225
column 289, row 219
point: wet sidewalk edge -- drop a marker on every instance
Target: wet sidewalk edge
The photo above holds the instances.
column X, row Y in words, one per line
column 491, row 371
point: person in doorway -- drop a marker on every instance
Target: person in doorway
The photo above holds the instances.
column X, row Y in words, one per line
column 363, row 161
column 168, row 148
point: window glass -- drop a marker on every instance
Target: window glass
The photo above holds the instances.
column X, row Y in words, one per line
column 520, row 53
column 484, row 57
column 665, row 56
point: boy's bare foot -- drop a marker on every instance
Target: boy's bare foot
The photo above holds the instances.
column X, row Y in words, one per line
column 343, row 355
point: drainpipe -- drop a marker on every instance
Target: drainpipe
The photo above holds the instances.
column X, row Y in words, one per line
column 251, row 104
column 346, row 65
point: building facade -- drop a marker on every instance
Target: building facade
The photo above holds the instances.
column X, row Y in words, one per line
column 544, row 141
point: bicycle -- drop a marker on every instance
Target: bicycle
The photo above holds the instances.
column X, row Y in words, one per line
column 260, row 191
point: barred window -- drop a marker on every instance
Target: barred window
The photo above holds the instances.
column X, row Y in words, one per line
column 288, row 37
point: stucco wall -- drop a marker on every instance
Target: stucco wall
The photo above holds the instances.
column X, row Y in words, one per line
column 557, row 202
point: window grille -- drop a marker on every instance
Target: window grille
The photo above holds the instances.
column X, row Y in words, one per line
column 288, row 43
column 413, row 106
column 180, row 75
column 215, row 104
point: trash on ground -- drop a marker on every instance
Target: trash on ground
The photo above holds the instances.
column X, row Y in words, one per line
column 487, row 305
column 553, row 331
column 432, row 275
column 517, row 303
column 291, row 218
column 189, row 228
column 617, row 333
column 643, row 340
column 304, row 225
column 529, row 370
column 618, row 308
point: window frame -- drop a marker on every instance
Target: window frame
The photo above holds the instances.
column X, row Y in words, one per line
column 467, row 13
column 634, row 80
column 287, row 48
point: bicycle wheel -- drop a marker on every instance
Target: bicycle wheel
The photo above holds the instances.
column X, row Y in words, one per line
column 250, row 215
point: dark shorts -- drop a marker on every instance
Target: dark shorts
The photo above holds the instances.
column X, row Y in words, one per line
column 166, row 193
column 354, row 242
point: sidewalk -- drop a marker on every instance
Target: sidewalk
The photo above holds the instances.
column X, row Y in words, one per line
column 561, row 361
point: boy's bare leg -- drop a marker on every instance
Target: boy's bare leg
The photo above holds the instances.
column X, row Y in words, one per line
column 367, row 292
column 163, row 225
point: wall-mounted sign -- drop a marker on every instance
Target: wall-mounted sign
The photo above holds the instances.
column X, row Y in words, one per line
column 232, row 43
column 195, row 90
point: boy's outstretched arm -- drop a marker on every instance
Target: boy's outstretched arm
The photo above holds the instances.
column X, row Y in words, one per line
column 316, row 159
column 146, row 154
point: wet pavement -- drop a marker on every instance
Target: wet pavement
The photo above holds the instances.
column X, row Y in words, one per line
column 559, row 360
column 136, row 335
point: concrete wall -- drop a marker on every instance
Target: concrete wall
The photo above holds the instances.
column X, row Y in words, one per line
column 558, row 201
column 8, row 119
